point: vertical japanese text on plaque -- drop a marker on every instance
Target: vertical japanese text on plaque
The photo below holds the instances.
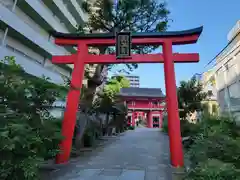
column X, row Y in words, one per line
column 123, row 45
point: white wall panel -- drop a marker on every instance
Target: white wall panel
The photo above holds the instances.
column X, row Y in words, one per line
column 31, row 66
column 24, row 17
column 16, row 23
column 47, row 15
column 62, row 6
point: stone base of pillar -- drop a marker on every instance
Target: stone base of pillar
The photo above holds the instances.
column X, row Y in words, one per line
column 178, row 173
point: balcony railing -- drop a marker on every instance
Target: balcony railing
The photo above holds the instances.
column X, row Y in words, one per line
column 7, row 3
column 22, row 31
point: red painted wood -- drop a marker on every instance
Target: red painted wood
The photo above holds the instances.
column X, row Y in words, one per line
column 67, row 59
column 133, row 119
column 72, row 104
column 172, row 107
column 149, row 120
column 190, row 39
column 138, row 58
column 129, row 98
column 143, row 104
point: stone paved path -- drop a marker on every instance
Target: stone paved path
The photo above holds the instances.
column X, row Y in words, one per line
column 141, row 154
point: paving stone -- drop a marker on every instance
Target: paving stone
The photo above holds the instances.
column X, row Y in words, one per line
column 86, row 173
column 111, row 172
column 102, row 177
column 151, row 175
column 132, row 174
column 141, row 153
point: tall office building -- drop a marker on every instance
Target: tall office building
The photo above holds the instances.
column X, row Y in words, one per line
column 134, row 80
column 24, row 33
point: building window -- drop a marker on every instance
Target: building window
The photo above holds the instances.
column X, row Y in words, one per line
column 222, row 99
column 234, row 91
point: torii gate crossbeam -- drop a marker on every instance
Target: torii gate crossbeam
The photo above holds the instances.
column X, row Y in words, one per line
column 82, row 57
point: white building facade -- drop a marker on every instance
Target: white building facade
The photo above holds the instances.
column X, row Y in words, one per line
column 134, row 80
column 25, row 27
column 227, row 74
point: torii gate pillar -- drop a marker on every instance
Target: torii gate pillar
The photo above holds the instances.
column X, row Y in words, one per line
column 174, row 131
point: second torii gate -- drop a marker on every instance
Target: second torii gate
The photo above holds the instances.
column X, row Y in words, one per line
column 82, row 57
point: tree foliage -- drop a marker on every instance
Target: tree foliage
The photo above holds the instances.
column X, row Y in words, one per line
column 190, row 96
column 107, row 101
column 107, row 98
column 126, row 15
column 135, row 15
column 28, row 133
column 114, row 85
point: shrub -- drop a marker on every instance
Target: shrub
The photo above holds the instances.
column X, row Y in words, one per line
column 131, row 127
column 88, row 137
column 165, row 124
column 28, row 134
column 220, row 147
column 91, row 133
column 219, row 125
column 213, row 169
column 187, row 128
column 217, row 138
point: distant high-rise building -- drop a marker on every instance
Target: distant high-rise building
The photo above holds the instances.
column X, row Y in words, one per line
column 134, row 80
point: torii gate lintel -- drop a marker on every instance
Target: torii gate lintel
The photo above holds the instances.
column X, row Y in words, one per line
column 82, row 57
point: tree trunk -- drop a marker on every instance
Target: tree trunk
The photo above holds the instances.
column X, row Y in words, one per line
column 94, row 81
column 107, row 123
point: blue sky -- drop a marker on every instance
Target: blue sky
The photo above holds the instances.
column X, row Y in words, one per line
column 217, row 18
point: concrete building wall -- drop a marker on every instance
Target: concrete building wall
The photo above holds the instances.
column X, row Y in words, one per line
column 48, row 15
column 34, row 54
column 227, row 74
column 209, row 86
column 24, row 34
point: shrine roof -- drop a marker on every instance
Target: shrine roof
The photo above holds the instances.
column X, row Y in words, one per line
column 141, row 92
column 195, row 31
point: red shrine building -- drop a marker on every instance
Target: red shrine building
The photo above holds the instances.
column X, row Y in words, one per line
column 144, row 105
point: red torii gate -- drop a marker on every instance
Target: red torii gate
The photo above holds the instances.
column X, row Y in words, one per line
column 82, row 57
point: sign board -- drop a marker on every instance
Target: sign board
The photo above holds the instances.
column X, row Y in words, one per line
column 123, row 45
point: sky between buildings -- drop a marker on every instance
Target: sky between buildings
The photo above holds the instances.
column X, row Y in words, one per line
column 216, row 16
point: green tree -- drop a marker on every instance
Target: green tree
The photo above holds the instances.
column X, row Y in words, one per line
column 190, row 96
column 107, row 101
column 28, row 133
column 108, row 96
column 126, row 15
column 114, row 85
